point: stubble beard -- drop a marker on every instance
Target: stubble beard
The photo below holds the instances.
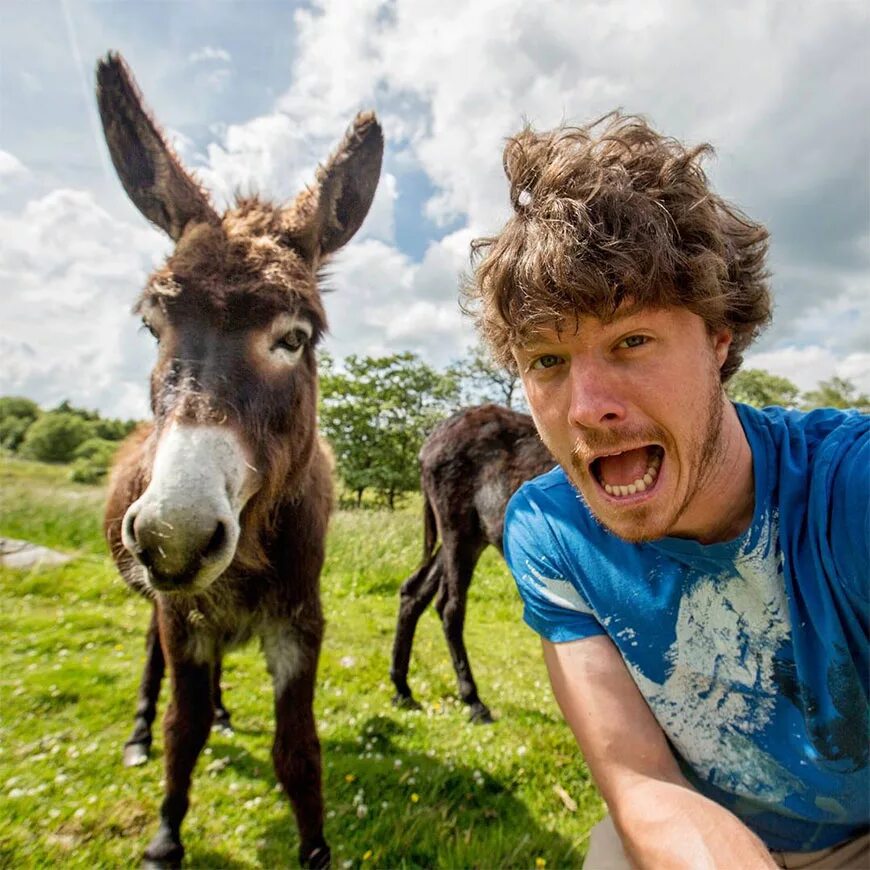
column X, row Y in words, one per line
column 640, row 525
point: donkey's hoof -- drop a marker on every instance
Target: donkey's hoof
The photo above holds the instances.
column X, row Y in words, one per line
column 136, row 754
column 480, row 715
column 164, row 852
column 223, row 726
column 317, row 858
column 406, row 702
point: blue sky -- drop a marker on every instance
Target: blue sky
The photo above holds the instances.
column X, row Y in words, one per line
column 254, row 93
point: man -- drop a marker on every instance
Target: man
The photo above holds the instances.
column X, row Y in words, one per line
column 703, row 604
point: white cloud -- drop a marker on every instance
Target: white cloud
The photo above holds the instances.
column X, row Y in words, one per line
column 71, row 272
column 209, row 53
column 806, row 367
column 10, row 165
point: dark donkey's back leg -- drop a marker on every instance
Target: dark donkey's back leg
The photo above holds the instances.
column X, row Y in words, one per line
column 138, row 747
column 416, row 593
column 459, row 556
column 221, row 714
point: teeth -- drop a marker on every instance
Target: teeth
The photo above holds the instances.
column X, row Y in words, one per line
column 639, row 485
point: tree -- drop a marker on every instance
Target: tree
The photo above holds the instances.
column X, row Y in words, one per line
column 66, row 408
column 16, row 415
column 483, row 380
column 92, row 460
column 836, row 393
column 376, row 411
column 759, row 388
column 54, row 437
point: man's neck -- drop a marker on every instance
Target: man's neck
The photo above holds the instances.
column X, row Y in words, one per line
column 723, row 508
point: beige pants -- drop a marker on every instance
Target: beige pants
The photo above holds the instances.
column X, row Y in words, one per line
column 606, row 853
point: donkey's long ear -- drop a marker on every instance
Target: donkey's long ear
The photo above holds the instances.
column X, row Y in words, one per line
column 150, row 172
column 346, row 185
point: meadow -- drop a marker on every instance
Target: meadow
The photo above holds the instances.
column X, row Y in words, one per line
column 403, row 788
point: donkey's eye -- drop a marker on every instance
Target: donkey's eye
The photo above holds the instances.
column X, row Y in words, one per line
column 293, row 341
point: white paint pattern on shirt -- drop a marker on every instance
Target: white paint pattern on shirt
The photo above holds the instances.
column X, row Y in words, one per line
column 556, row 590
column 720, row 689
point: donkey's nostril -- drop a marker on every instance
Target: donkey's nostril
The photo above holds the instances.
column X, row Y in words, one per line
column 217, row 541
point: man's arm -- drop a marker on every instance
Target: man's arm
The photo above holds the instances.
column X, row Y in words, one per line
column 662, row 820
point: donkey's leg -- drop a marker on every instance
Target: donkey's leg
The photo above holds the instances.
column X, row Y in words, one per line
column 416, row 593
column 185, row 731
column 138, row 747
column 459, row 559
column 221, row 714
column 292, row 659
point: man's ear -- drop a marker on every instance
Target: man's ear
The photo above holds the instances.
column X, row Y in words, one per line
column 722, row 339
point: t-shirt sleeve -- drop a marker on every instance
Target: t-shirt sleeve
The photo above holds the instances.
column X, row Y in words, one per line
column 553, row 605
column 849, row 493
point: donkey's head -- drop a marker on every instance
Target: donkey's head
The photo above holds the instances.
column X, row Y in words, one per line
column 236, row 312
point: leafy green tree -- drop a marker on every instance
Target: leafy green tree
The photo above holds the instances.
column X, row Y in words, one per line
column 376, row 411
column 66, row 408
column 760, row 388
column 18, row 406
column 92, row 460
column 110, row 429
column 54, row 437
column 481, row 380
column 836, row 393
column 16, row 415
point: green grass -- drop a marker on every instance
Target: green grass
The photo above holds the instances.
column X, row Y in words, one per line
column 402, row 788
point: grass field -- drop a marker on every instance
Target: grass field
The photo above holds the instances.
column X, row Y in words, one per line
column 402, row 788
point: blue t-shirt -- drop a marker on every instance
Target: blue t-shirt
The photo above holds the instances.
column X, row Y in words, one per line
column 752, row 654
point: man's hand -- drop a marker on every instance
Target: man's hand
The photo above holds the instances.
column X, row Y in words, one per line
column 662, row 820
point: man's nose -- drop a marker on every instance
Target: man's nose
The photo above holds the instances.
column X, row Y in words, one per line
column 596, row 395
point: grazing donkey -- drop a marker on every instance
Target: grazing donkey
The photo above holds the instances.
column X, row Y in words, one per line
column 218, row 510
column 470, row 466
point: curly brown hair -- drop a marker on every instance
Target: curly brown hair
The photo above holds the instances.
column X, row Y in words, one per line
column 609, row 213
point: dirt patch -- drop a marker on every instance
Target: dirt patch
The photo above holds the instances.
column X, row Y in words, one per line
column 23, row 554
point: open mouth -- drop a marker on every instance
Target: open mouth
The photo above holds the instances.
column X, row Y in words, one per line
column 629, row 472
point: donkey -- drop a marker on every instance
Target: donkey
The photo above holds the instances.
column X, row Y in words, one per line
column 470, row 466
column 218, row 509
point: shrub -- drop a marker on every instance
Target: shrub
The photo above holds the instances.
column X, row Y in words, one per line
column 16, row 415
column 16, row 406
column 54, row 437
column 92, row 460
column 13, row 430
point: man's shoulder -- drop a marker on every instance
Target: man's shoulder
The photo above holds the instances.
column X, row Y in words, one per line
column 811, row 428
column 551, row 506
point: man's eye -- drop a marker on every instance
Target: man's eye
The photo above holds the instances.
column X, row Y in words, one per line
column 293, row 341
column 151, row 329
column 633, row 341
column 547, row 361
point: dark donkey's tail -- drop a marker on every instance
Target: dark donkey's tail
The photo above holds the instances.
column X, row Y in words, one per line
column 430, row 529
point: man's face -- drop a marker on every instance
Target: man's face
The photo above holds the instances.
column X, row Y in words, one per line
column 632, row 410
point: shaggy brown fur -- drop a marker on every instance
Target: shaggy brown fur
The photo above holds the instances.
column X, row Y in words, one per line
column 212, row 305
column 616, row 213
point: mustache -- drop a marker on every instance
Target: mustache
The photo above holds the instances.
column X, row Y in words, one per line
column 597, row 441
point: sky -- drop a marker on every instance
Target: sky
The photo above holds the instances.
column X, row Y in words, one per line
column 254, row 93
